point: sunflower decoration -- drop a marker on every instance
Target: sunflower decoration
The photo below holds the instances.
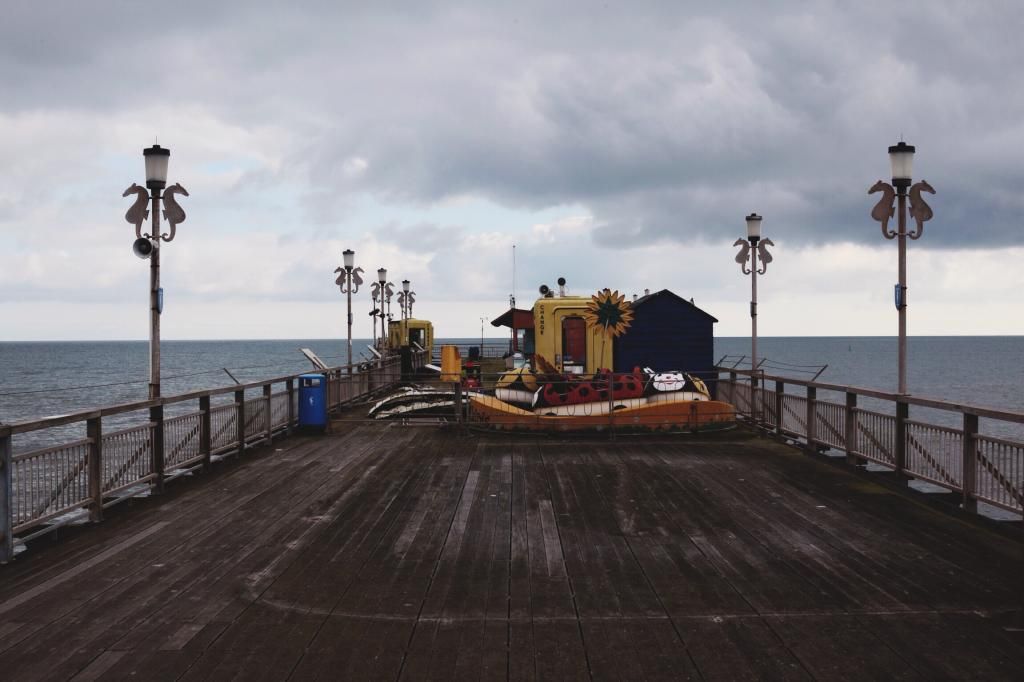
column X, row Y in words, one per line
column 609, row 310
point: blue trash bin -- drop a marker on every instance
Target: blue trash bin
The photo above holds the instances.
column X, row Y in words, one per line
column 313, row 401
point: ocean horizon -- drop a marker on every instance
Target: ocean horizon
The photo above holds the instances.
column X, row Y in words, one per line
column 44, row 378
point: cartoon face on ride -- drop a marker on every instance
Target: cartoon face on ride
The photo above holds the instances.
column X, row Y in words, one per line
column 669, row 381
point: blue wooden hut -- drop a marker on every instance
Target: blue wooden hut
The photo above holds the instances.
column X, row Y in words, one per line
column 668, row 333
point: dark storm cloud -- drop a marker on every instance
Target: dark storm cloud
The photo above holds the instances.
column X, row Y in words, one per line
column 669, row 121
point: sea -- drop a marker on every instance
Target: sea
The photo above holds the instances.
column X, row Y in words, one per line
column 45, row 378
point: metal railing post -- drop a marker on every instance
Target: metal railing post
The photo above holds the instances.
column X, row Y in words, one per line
column 970, row 463
column 900, row 456
column 780, row 390
column 94, row 432
column 850, row 434
column 762, row 401
column 6, row 499
column 611, row 405
column 290, row 387
column 812, row 413
column 240, row 416
column 156, row 415
column 732, row 390
column 267, row 396
column 458, row 402
column 205, row 431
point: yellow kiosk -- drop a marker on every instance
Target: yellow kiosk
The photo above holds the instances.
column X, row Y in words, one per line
column 564, row 340
column 412, row 331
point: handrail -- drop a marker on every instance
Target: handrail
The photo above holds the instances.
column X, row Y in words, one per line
column 43, row 484
column 936, row 403
column 978, row 467
column 111, row 410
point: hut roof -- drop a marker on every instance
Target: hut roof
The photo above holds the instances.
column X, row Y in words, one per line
column 522, row 319
column 665, row 292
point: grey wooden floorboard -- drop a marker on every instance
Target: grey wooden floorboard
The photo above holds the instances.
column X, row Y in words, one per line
column 388, row 552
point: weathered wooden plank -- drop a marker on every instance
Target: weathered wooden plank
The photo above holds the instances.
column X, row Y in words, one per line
column 685, row 578
column 150, row 619
column 589, row 554
column 146, row 595
column 382, row 552
column 559, row 653
column 839, row 648
column 934, row 645
column 888, row 539
column 521, row 659
column 743, row 648
column 660, row 651
column 611, row 651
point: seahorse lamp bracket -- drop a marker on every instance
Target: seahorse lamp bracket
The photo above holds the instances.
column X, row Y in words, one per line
column 920, row 211
column 885, row 209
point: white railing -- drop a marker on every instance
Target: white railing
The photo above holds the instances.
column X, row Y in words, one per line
column 40, row 486
column 979, row 467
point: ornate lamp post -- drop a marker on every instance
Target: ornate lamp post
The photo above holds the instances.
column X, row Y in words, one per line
column 389, row 292
column 405, row 298
column 410, row 298
column 752, row 247
column 375, row 293
column 147, row 244
column 901, row 158
column 348, row 281
column 382, row 281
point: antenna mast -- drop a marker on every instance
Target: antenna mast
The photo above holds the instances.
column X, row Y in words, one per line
column 512, row 301
column 513, row 297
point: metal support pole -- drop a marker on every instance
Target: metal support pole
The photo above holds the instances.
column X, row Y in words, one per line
column 374, row 315
column 6, row 499
column 753, row 316
column 902, row 241
column 154, row 299
column 348, row 285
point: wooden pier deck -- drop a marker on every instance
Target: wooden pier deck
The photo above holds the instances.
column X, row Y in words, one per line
column 391, row 552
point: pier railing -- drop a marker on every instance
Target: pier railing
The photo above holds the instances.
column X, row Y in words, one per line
column 488, row 350
column 106, row 455
column 876, row 426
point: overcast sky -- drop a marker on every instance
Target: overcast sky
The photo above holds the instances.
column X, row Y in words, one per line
column 615, row 144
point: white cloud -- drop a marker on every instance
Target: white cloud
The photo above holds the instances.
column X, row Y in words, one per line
column 613, row 145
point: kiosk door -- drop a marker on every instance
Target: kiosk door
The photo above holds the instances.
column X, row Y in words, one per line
column 574, row 345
